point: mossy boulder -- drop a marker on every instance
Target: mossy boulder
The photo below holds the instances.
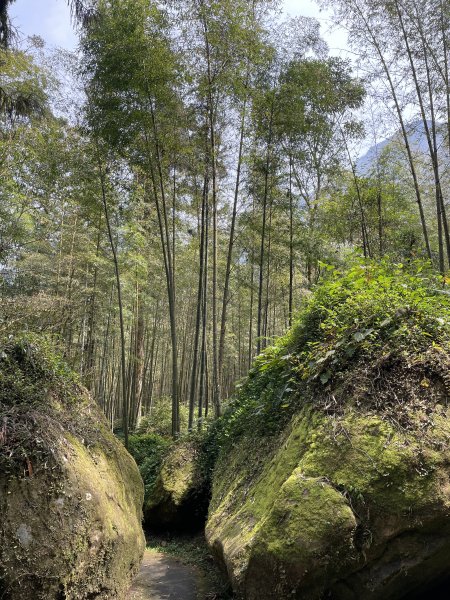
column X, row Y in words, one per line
column 70, row 494
column 149, row 451
column 179, row 497
column 333, row 473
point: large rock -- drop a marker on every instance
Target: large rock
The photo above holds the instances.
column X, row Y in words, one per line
column 70, row 494
column 352, row 500
column 178, row 500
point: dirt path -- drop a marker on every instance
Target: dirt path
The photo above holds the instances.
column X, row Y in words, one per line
column 164, row 578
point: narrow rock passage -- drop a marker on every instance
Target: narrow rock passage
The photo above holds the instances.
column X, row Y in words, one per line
column 164, row 578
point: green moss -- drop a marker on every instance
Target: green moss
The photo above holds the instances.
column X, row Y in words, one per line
column 372, row 461
column 321, row 495
column 70, row 495
column 332, row 461
column 179, row 471
column 117, row 531
column 177, row 476
column 307, row 516
column 180, row 494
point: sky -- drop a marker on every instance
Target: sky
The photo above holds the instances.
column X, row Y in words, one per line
column 52, row 22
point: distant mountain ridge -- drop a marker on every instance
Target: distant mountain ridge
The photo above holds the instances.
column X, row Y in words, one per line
column 417, row 139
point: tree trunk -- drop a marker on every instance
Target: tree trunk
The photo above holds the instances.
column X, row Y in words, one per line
column 201, row 269
column 398, row 110
column 125, row 409
column 231, row 242
column 263, row 231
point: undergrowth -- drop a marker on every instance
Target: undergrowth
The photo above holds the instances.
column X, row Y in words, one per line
column 40, row 397
column 370, row 313
column 377, row 333
column 159, row 420
column 149, row 451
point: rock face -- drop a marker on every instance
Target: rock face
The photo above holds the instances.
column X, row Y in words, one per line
column 343, row 506
column 179, row 498
column 70, row 494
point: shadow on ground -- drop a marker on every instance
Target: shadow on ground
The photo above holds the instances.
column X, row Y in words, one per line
column 164, row 578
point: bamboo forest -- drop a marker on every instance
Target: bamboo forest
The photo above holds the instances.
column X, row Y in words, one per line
column 224, row 299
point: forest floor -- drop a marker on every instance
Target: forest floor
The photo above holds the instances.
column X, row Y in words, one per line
column 178, row 568
column 162, row 577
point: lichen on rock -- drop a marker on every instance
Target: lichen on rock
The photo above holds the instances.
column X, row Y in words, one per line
column 70, row 494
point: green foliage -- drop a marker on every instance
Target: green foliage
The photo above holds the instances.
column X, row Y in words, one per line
column 372, row 308
column 159, row 419
column 132, row 67
column 311, row 95
column 29, row 367
column 23, row 85
column 148, row 450
column 385, row 199
column 353, row 317
column 148, row 89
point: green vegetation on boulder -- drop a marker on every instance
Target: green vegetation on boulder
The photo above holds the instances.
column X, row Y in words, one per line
column 180, row 494
column 333, row 471
column 70, row 494
column 149, row 451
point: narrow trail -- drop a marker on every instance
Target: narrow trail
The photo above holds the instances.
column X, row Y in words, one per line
column 164, row 578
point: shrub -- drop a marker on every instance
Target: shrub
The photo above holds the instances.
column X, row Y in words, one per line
column 159, row 419
column 352, row 318
column 148, row 450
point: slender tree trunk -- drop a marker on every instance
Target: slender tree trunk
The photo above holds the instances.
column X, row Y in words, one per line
column 193, row 386
column 125, row 408
column 291, row 245
column 252, row 294
column 101, row 386
column 213, row 161
column 90, row 341
column 153, row 357
column 269, row 259
column 138, row 362
column 231, row 241
column 430, row 136
column 446, row 74
column 398, row 110
column 161, row 209
column 203, row 385
column 263, row 232
column 364, row 233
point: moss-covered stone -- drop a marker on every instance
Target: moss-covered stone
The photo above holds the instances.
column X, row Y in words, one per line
column 70, row 494
column 333, row 470
column 149, row 451
column 179, row 497
column 350, row 506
